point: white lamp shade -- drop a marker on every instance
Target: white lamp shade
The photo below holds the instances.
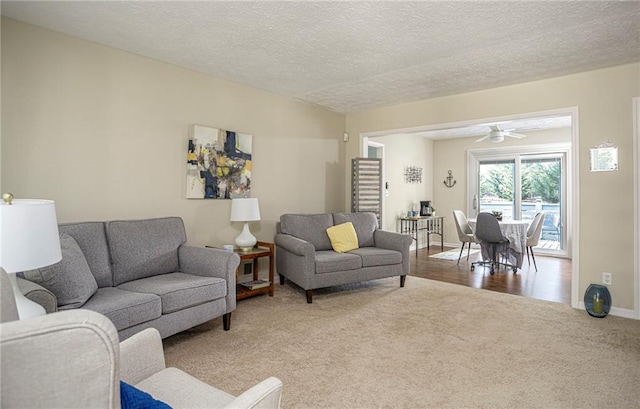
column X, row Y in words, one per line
column 28, row 235
column 245, row 210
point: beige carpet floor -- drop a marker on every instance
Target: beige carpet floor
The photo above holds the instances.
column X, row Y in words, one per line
column 428, row 345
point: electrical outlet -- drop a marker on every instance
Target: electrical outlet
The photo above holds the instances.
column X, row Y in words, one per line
column 606, row 278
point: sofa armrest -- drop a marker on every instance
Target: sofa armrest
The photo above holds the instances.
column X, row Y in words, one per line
column 141, row 356
column 265, row 395
column 211, row 262
column 295, row 245
column 38, row 294
column 394, row 241
column 295, row 259
column 66, row 359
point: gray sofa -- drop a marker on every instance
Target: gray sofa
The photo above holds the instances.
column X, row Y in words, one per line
column 138, row 273
column 304, row 253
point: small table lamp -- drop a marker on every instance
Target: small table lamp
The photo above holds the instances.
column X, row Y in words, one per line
column 28, row 240
column 245, row 210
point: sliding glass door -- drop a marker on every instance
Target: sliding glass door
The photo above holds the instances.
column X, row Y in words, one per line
column 542, row 191
column 498, row 187
column 519, row 185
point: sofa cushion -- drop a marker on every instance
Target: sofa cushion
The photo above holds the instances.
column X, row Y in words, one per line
column 92, row 240
column 308, row 227
column 364, row 223
column 373, row 256
column 329, row 261
column 343, row 237
column 178, row 290
column 70, row 280
column 144, row 248
column 125, row 308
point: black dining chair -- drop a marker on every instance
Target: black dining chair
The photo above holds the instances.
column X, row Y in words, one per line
column 489, row 234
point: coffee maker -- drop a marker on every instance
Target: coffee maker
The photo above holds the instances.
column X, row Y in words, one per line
column 425, row 208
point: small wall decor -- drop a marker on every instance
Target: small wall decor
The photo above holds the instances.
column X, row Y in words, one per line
column 413, row 174
column 604, row 157
column 450, row 182
column 218, row 163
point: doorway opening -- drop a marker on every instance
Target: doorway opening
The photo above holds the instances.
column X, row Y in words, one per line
column 568, row 212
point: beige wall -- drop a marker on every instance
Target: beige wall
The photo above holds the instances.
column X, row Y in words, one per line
column 104, row 134
column 401, row 151
column 604, row 98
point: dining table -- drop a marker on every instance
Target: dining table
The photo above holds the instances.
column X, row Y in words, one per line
column 516, row 232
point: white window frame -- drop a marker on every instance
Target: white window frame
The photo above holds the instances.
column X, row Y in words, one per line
column 474, row 156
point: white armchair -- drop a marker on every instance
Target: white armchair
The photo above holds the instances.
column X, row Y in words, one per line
column 142, row 365
column 73, row 359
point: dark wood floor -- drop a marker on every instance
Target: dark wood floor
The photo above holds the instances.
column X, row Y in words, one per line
column 552, row 282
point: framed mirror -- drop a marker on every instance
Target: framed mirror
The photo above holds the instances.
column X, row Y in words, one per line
column 604, row 157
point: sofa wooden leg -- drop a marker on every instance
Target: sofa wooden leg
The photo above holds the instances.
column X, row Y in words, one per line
column 226, row 321
column 309, row 296
column 402, row 278
column 281, row 279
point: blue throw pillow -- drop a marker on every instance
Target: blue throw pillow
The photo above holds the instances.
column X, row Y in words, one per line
column 134, row 398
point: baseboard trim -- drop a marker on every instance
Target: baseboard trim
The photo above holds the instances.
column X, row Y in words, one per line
column 618, row 312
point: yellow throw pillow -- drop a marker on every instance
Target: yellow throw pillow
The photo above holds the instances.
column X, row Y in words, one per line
column 343, row 237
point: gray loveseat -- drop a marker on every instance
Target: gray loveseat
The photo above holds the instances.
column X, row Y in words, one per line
column 140, row 274
column 304, row 253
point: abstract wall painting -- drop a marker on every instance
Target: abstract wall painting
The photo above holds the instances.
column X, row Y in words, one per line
column 218, row 163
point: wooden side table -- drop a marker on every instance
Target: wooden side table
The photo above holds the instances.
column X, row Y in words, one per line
column 261, row 249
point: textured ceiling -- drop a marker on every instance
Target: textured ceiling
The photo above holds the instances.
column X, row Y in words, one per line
column 350, row 56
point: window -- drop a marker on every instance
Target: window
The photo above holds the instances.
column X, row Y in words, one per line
column 520, row 182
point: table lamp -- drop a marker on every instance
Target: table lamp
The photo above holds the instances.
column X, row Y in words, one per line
column 245, row 210
column 28, row 240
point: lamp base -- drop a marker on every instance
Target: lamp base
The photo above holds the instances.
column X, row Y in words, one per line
column 245, row 241
column 26, row 307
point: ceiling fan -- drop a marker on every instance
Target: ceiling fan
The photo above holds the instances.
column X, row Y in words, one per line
column 497, row 135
